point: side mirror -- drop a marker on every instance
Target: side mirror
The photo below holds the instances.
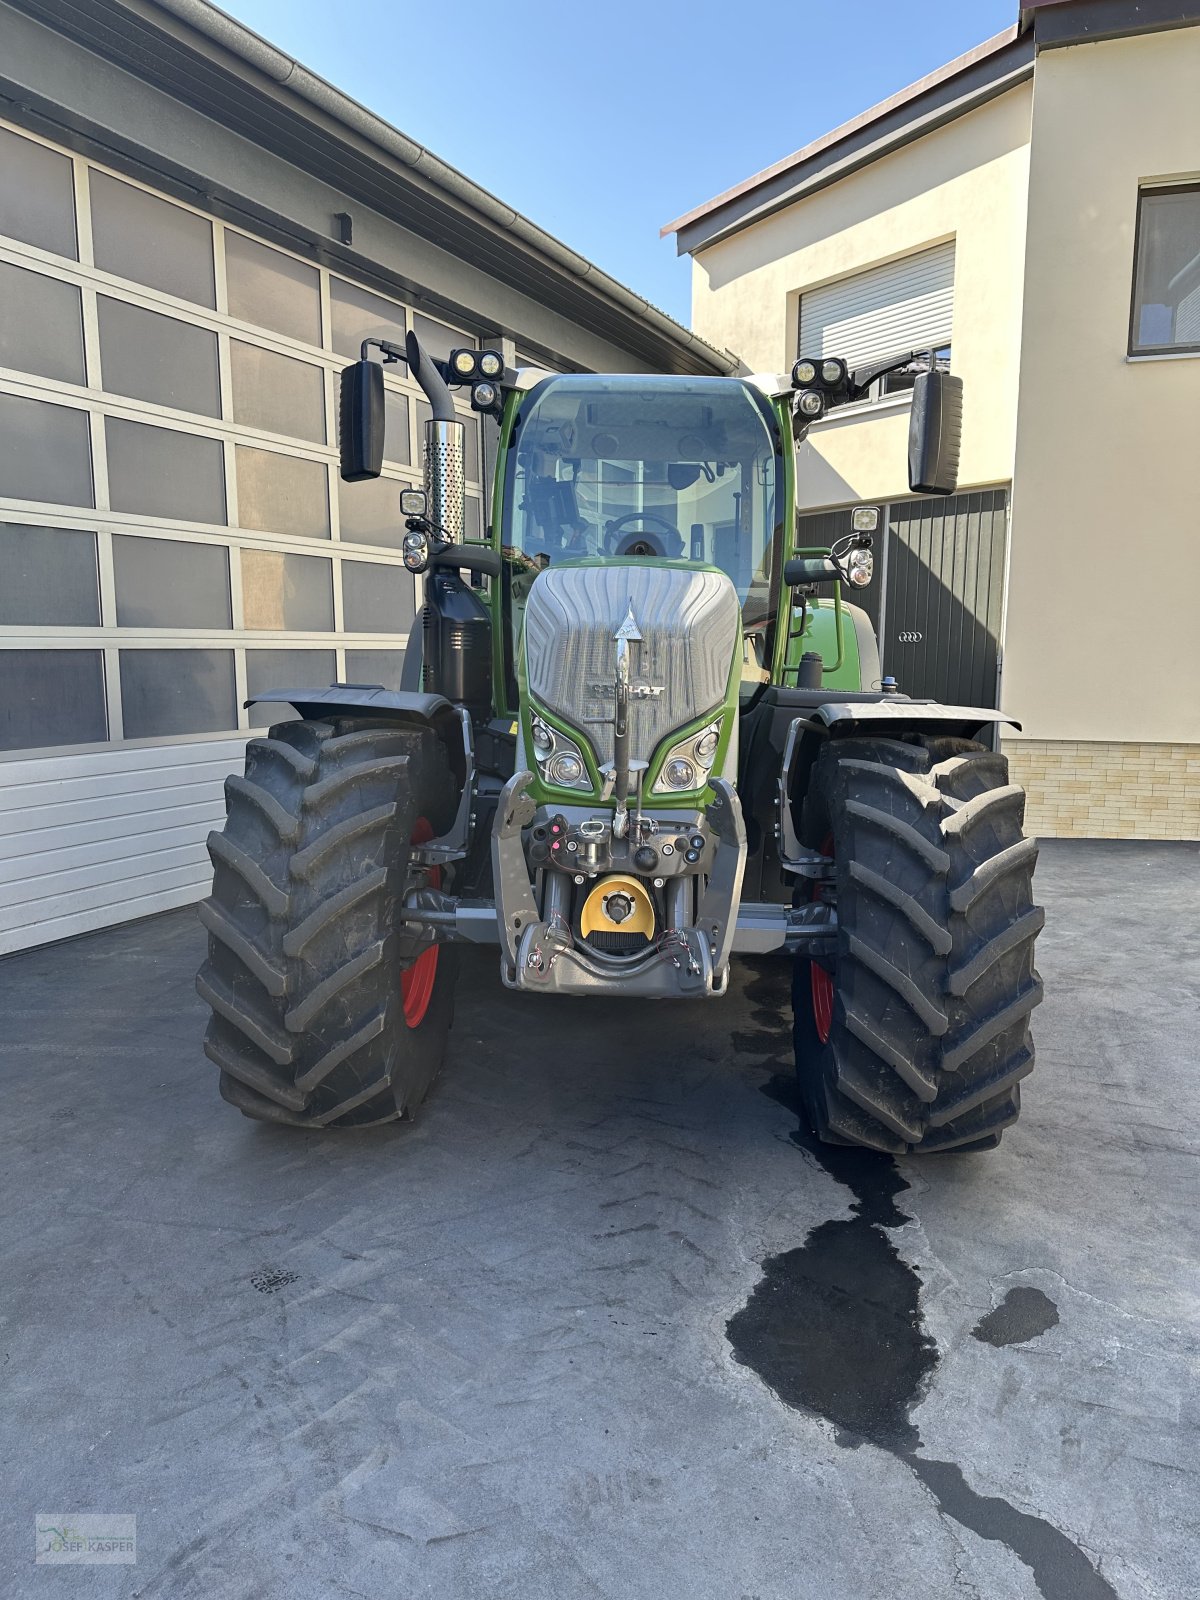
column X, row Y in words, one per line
column 360, row 421
column 935, row 433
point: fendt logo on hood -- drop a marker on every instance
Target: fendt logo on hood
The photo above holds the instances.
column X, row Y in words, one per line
column 637, row 691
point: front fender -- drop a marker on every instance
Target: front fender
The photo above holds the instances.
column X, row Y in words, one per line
column 370, row 700
column 891, row 715
column 898, row 715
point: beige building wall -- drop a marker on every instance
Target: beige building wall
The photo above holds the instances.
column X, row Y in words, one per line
column 1102, row 648
column 1038, row 189
column 966, row 182
column 1106, row 495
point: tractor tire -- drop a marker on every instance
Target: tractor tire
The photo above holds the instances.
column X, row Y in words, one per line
column 325, row 1013
column 915, row 1037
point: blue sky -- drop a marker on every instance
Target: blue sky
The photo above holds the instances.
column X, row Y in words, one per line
column 601, row 122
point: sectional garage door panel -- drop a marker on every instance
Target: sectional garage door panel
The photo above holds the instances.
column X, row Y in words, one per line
column 943, row 596
column 888, row 310
column 937, row 599
column 100, row 837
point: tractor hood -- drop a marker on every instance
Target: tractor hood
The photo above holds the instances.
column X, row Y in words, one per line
column 676, row 627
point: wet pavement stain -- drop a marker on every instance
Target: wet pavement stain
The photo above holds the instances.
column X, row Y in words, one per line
column 834, row 1328
column 1023, row 1314
column 842, row 1305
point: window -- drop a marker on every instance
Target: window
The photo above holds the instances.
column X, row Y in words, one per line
column 48, row 577
column 357, row 314
column 159, row 472
column 903, row 305
column 395, row 427
column 902, row 381
column 51, row 697
column 376, row 599
column 41, row 325
column 190, row 611
column 291, row 593
column 37, row 198
column 156, row 358
column 272, row 290
column 375, row 666
column 167, row 583
column 276, row 393
column 148, row 240
column 1166, row 279
column 177, row 691
column 437, row 340
column 369, row 512
column 45, row 452
column 285, row 669
column 282, row 494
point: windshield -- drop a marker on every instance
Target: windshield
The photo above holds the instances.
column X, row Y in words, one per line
column 681, row 468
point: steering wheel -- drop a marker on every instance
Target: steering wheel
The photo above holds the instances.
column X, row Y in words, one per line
column 673, row 536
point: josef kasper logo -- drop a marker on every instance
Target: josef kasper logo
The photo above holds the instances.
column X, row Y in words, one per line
column 90, row 1540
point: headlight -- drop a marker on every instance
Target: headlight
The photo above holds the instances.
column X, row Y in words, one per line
column 679, row 773
column 462, row 363
column 565, row 768
column 810, row 403
column 559, row 759
column 491, row 364
column 833, row 372
column 689, row 762
column 804, row 373
column 415, row 552
column 860, row 568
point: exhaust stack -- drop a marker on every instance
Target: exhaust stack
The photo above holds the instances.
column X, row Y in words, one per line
column 445, row 446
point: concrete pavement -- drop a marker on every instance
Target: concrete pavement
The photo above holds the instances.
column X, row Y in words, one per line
column 487, row 1355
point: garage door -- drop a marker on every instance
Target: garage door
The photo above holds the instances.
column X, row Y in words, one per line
column 937, row 599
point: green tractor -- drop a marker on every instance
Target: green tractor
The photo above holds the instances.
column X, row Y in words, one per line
column 639, row 735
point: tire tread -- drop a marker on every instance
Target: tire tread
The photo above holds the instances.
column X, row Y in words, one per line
column 934, row 977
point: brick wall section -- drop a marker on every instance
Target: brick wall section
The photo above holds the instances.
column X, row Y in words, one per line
column 1087, row 789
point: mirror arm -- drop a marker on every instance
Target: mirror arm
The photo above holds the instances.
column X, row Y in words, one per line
column 862, row 378
column 391, row 352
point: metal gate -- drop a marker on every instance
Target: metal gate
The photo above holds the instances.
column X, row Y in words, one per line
column 938, row 594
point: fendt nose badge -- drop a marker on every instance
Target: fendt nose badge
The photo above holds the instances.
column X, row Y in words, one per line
column 629, row 629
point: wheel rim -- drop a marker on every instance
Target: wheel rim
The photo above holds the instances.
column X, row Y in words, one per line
column 417, row 982
column 821, row 982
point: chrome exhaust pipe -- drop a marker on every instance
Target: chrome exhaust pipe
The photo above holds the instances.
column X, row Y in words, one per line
column 445, row 476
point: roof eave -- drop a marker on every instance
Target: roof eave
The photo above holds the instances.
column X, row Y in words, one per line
column 990, row 69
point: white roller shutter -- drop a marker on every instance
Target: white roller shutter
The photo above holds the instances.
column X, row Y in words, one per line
column 905, row 305
column 94, row 838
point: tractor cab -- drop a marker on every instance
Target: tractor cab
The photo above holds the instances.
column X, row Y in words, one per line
column 646, row 468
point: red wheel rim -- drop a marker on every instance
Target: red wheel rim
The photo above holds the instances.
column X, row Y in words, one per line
column 822, row 1000
column 417, row 981
column 820, row 980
